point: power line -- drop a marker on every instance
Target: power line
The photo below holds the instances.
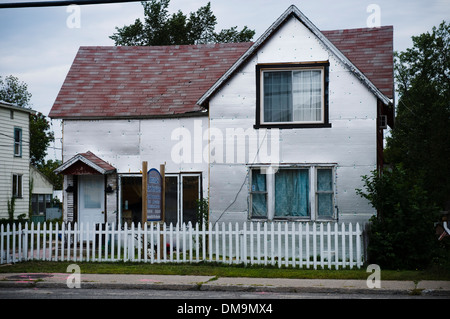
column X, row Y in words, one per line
column 36, row 4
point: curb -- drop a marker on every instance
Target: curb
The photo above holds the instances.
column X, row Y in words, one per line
column 209, row 283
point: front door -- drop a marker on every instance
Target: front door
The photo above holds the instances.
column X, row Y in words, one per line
column 91, row 199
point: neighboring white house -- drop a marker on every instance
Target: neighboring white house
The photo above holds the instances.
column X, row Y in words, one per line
column 279, row 129
column 14, row 159
column 41, row 192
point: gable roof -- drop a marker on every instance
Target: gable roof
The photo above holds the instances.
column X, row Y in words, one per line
column 365, row 55
column 140, row 82
column 371, row 50
column 91, row 160
column 172, row 81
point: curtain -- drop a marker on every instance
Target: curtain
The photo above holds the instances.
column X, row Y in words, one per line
column 307, row 95
column 325, row 192
column 278, row 96
column 292, row 193
column 259, row 199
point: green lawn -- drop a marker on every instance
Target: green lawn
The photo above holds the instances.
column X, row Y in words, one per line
column 221, row 270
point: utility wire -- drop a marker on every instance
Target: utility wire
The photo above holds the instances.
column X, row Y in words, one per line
column 36, row 4
column 243, row 183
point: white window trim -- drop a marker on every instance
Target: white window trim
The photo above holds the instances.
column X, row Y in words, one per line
column 291, row 69
column 270, row 189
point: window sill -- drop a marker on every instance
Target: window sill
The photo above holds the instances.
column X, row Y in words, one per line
column 292, row 126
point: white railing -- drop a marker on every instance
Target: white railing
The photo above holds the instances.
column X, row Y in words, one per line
column 290, row 244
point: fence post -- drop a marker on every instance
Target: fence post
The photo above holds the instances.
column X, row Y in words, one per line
column 350, row 244
column 358, row 246
column 2, row 251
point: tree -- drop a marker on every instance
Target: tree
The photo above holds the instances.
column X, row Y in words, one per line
column 402, row 235
column 409, row 194
column 13, row 91
column 159, row 28
column 420, row 140
column 47, row 168
column 16, row 92
column 40, row 138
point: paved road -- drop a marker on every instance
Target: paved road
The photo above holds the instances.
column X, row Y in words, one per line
column 61, row 293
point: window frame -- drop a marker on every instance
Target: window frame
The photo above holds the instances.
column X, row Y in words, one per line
column 18, row 144
column 261, row 68
column 253, row 192
column 313, row 207
column 17, row 185
column 332, row 192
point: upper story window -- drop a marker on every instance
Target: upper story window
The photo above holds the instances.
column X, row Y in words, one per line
column 17, row 142
column 292, row 95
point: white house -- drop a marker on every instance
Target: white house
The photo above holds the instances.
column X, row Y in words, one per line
column 14, row 159
column 279, row 129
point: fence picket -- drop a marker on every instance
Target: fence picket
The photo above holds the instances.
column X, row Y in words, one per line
column 276, row 243
column 358, row 246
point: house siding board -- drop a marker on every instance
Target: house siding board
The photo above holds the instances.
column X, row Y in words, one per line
column 350, row 143
column 10, row 164
column 124, row 144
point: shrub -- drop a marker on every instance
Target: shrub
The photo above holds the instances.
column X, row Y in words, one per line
column 402, row 234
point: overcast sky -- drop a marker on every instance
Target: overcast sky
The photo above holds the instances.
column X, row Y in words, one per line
column 38, row 46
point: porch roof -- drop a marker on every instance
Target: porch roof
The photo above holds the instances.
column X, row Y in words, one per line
column 90, row 164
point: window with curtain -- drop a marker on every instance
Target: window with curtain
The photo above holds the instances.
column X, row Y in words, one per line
column 292, row 193
column 292, row 95
column 258, row 194
column 325, row 193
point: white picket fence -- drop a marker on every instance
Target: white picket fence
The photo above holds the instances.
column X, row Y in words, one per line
column 309, row 245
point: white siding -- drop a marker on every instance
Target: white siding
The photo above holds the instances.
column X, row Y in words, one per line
column 350, row 143
column 10, row 164
column 126, row 143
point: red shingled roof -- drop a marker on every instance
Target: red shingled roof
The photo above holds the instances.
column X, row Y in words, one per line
column 371, row 51
column 142, row 81
column 85, row 163
column 148, row 81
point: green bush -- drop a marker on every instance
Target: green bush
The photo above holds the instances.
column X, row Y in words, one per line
column 402, row 234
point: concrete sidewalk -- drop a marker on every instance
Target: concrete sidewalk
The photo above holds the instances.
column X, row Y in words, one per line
column 210, row 283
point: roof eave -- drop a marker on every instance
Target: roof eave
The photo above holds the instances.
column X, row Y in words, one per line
column 81, row 158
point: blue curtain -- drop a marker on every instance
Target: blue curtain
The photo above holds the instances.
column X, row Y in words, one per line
column 292, row 193
column 325, row 192
column 259, row 199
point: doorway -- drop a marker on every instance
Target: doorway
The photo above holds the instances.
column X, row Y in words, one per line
column 91, row 199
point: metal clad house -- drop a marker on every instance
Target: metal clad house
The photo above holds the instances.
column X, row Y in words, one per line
column 14, row 159
column 318, row 97
column 279, row 129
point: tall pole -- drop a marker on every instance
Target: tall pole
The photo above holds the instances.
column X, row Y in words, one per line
column 144, row 193
column 162, row 171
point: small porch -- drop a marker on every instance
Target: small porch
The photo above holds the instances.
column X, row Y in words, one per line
column 89, row 189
